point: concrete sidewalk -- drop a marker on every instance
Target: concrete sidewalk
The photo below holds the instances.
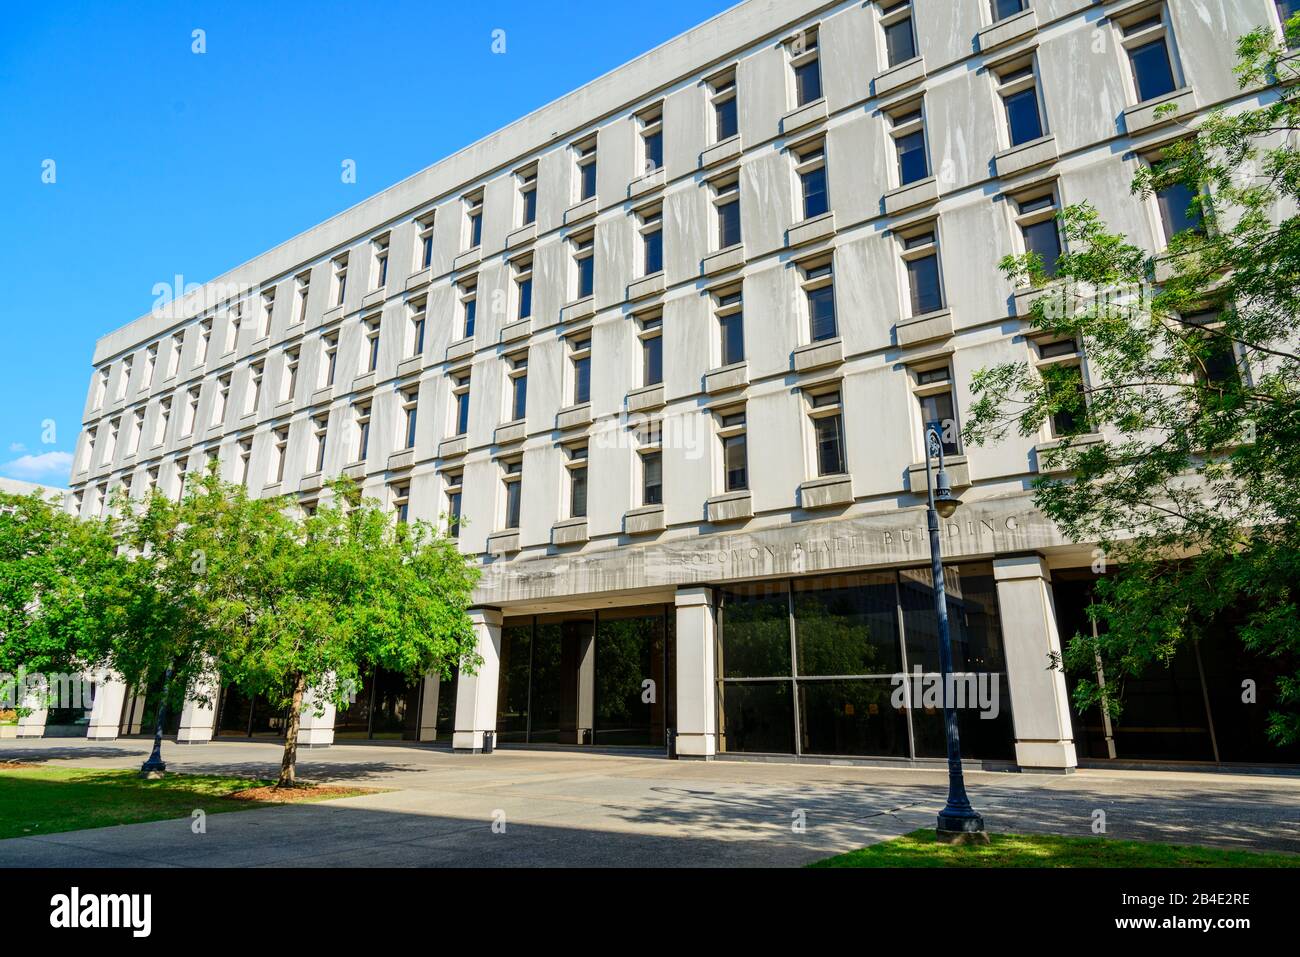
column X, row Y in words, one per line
column 561, row 808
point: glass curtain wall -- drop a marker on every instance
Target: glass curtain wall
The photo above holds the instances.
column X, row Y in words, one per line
column 386, row 707
column 811, row 666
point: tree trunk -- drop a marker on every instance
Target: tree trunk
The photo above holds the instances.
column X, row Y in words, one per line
column 287, row 763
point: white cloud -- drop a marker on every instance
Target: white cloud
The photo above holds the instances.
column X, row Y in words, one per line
column 49, row 468
column 17, row 447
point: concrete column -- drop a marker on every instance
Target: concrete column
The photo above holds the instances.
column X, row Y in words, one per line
column 1039, row 699
column 32, row 724
column 429, row 689
column 134, row 711
column 476, row 695
column 106, row 709
column 199, row 718
column 697, row 715
column 316, row 723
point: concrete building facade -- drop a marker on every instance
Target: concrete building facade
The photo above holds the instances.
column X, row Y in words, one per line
column 662, row 353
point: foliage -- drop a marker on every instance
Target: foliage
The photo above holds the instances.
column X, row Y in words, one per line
column 1182, row 451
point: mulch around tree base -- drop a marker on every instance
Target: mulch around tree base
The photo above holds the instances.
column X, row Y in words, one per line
column 301, row 792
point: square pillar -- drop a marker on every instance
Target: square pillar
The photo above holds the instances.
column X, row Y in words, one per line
column 476, row 695
column 106, row 707
column 198, row 718
column 35, row 701
column 316, row 723
column 1040, row 702
column 429, row 689
column 697, row 714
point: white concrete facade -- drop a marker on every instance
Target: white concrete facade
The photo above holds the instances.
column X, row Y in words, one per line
column 277, row 357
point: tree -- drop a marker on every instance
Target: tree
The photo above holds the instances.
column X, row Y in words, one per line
column 1192, row 386
column 322, row 600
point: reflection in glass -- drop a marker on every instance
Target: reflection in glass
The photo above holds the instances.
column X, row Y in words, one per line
column 756, row 637
column 630, row 653
column 847, row 625
column 851, row 718
column 757, row 716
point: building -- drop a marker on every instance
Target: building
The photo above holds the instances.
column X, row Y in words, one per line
column 663, row 352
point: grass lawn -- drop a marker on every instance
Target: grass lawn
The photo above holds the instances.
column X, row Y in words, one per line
column 920, row 849
column 39, row 799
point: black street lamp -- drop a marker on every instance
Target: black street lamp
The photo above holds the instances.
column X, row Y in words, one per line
column 154, row 768
column 958, row 821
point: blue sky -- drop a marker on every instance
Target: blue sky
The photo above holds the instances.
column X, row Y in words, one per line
column 170, row 162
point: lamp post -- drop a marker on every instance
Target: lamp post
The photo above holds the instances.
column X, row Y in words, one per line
column 155, row 767
column 958, row 821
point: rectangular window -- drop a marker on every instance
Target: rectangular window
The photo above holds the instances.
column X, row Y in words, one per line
column 652, row 241
column 363, row 431
column 411, row 408
column 302, row 289
column 577, row 467
column 900, row 38
column 806, row 63
column 1286, row 9
column 514, row 483
column 453, row 489
column 934, row 393
column 1039, row 230
column 585, row 258
column 819, row 288
column 828, row 433
column 280, row 453
column 811, row 167
column 725, row 117
column 150, row 366
column 921, row 256
column 268, row 310
column 370, row 362
column 652, row 351
column 330, row 358
column 137, row 430
column 381, row 262
column 101, row 386
column 652, row 140
column 460, row 401
column 160, row 423
column 174, row 355
column 474, row 220
column 908, row 132
column 424, row 242
column 469, row 309
column 524, row 288
column 528, row 196
column 290, row 383
column 191, row 411
column 1017, row 86
column 402, row 503
column 731, row 327
column 234, row 319
column 340, row 279
column 222, row 399
column 726, row 200
column 205, row 340
column 255, row 374
column 652, row 478
column 518, row 387
column 586, row 160
column 124, row 380
column 1146, row 41
column 1006, row 8
column 735, row 463
column 321, row 428
column 580, row 357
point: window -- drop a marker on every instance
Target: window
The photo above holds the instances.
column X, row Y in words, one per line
column 150, row 366
column 362, row 413
column 1218, row 365
column 160, row 423
column 1286, row 9
column 370, row 357
column 652, row 241
column 137, row 430
column 1064, row 355
column 101, row 386
column 723, row 97
column 320, row 426
column 182, row 473
column 191, row 411
column 907, row 127
column 453, row 489
column 524, row 287
column 726, row 201
column 735, row 464
column 289, row 387
column 88, row 451
column 580, row 359
column 586, row 161
column 819, row 289
column 419, row 318
column 1039, row 230
column 921, row 259
column 577, row 468
column 1006, row 8
column 585, row 257
column 280, row 452
column 1176, row 205
column 402, row 503
column 528, row 196
column 513, row 480
column 900, row 38
column 234, row 319
column 652, row 351
column 468, row 308
column 150, row 483
column 828, row 433
column 731, row 327
column 340, row 279
column 424, row 242
column 242, row 461
column 124, row 379
column 174, row 355
column 110, row 440
column 806, row 64
column 652, row 140
column 329, row 365
column 268, row 310
column 410, row 406
column 1145, row 38
column 518, row 376
column 1017, row 85
column 256, row 372
column 302, row 288
column 810, row 165
column 474, row 219
column 460, row 403
column 222, row 401
column 205, row 340
column 652, row 478
column 380, row 248
column 101, row 500
column 934, row 394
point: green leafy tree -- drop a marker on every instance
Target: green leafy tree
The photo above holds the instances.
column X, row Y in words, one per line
column 1181, row 452
column 321, row 601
